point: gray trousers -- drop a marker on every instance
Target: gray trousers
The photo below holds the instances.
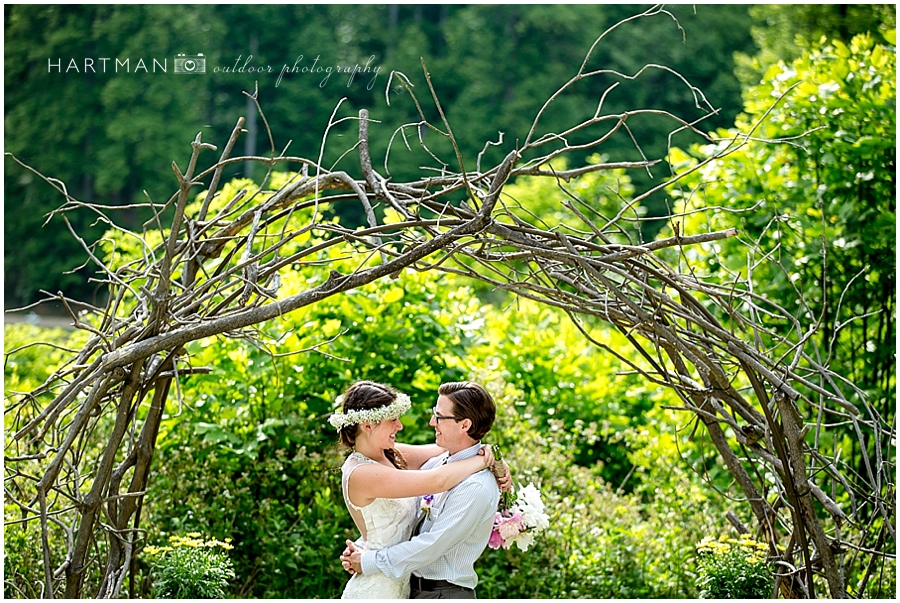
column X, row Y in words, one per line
column 422, row 588
column 447, row 592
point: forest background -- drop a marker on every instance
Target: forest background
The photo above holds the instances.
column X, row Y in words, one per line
column 631, row 493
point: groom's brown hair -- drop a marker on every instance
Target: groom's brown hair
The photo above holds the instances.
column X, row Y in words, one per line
column 473, row 402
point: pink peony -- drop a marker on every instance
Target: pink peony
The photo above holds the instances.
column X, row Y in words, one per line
column 511, row 526
column 496, row 540
column 516, row 520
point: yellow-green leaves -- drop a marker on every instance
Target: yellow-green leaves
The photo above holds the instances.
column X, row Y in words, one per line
column 393, row 294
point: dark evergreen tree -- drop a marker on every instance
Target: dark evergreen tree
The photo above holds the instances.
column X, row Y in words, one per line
column 110, row 136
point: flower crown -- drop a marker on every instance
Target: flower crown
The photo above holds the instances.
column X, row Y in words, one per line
column 339, row 420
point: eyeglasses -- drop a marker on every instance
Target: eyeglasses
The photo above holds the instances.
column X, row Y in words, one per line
column 438, row 417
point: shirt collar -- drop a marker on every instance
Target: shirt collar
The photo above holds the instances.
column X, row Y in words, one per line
column 465, row 453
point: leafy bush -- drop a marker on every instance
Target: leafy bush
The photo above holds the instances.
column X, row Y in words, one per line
column 601, row 542
column 28, row 363
column 732, row 568
column 23, row 559
column 282, row 508
column 191, row 568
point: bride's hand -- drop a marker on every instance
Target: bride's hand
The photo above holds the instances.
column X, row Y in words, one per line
column 346, row 560
column 504, row 479
column 499, row 468
column 488, row 455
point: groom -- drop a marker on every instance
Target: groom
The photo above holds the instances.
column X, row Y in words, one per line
column 456, row 529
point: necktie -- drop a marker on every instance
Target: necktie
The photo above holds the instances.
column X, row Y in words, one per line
column 419, row 522
column 418, row 527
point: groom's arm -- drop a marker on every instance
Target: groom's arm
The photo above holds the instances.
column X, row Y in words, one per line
column 466, row 507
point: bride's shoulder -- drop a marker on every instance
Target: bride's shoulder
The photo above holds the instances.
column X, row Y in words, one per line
column 353, row 459
column 356, row 457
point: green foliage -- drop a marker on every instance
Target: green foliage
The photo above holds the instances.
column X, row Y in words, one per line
column 31, row 355
column 282, row 508
column 23, row 558
column 784, row 31
column 824, row 205
column 539, row 200
column 29, row 362
column 102, row 133
column 565, row 378
column 190, row 568
column 732, row 568
column 601, row 542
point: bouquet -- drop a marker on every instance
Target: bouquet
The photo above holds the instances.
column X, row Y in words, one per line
column 519, row 516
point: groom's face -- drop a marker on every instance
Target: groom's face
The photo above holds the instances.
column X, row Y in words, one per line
column 449, row 433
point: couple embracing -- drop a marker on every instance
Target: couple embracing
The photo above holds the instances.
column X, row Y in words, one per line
column 425, row 513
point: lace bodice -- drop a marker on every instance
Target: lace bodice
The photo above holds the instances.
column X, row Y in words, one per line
column 388, row 521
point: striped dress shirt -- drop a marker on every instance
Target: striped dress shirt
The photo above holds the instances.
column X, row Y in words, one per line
column 452, row 537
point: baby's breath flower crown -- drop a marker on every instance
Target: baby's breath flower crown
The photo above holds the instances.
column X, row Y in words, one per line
column 339, row 420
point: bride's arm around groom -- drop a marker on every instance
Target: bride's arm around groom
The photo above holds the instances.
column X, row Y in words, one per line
column 457, row 526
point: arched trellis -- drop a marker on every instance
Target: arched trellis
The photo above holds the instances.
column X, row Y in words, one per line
column 217, row 272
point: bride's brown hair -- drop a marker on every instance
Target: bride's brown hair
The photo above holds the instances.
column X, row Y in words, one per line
column 364, row 395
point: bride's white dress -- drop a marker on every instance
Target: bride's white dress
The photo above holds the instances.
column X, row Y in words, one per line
column 389, row 521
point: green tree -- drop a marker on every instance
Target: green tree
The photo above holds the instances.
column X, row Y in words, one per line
column 110, row 137
column 827, row 200
column 108, row 132
column 824, row 208
column 784, row 31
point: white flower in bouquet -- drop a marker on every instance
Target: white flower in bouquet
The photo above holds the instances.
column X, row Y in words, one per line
column 531, row 507
column 524, row 540
column 517, row 520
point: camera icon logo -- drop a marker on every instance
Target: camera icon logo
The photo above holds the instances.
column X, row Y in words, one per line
column 185, row 63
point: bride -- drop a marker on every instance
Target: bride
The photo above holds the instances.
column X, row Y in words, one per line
column 380, row 495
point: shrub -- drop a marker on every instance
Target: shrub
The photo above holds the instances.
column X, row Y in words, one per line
column 601, row 543
column 732, row 568
column 190, row 568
